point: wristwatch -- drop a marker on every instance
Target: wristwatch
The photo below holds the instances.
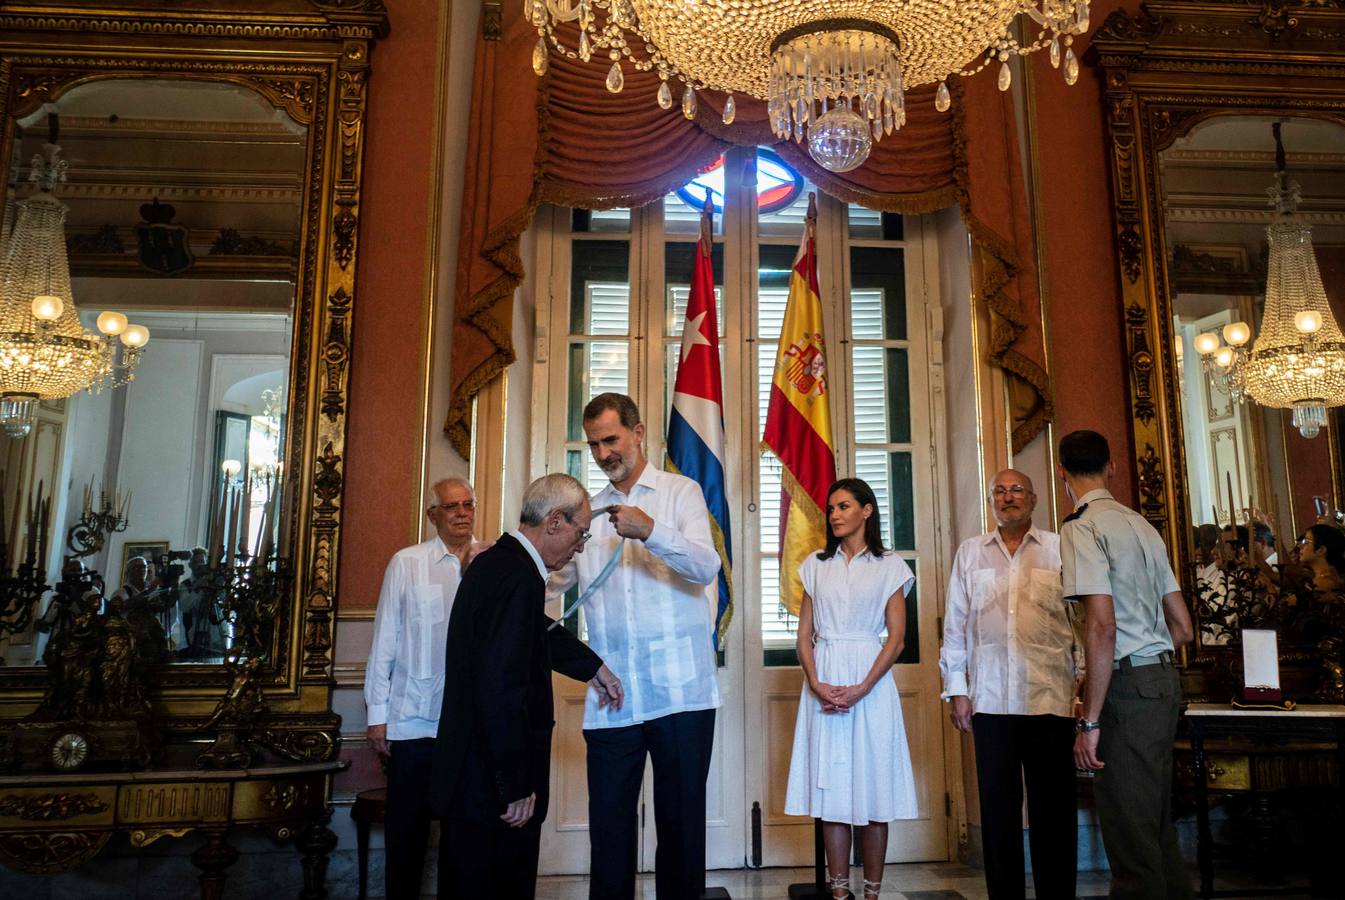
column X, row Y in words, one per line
column 1083, row 725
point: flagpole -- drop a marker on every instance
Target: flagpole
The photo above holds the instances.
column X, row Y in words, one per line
column 819, row 889
column 696, row 427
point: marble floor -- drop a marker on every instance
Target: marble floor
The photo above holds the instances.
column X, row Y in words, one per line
column 916, row 881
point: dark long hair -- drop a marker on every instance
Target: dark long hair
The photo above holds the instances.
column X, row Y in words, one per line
column 1330, row 538
column 873, row 525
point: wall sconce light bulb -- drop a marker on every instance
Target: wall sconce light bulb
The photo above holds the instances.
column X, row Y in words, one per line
column 1224, row 357
column 1237, row 333
column 231, row 467
column 1206, row 343
column 135, row 336
column 111, row 323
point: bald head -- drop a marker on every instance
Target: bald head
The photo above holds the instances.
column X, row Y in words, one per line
column 1012, row 499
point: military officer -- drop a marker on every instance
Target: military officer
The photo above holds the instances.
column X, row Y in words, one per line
column 1115, row 564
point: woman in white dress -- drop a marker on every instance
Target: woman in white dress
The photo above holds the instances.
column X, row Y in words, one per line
column 851, row 765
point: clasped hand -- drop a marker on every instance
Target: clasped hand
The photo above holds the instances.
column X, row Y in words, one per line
column 838, row 698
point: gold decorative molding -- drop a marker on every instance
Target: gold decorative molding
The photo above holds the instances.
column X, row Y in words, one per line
column 143, row 837
column 282, row 800
column 46, row 852
column 344, row 226
column 336, row 353
column 202, row 802
column 51, row 806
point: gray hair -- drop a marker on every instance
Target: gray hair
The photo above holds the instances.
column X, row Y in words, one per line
column 447, row 482
column 549, row 493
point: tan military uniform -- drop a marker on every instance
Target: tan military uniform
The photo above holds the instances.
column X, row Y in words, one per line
column 1107, row 548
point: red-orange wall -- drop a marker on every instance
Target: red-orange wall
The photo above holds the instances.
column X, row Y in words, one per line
column 1087, row 345
column 382, row 464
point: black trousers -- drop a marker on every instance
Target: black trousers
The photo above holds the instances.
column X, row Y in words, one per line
column 1037, row 751
column 406, row 829
column 488, row 859
column 679, row 746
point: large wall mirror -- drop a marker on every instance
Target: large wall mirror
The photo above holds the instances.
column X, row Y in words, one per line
column 1244, row 459
column 209, row 191
column 184, row 213
column 1206, row 105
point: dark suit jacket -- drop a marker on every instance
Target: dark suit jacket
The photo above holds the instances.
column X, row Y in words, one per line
column 494, row 743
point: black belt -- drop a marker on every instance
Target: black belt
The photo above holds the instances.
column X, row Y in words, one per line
column 1125, row 664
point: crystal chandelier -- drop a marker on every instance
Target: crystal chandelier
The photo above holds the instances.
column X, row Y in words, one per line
column 45, row 353
column 833, row 71
column 1298, row 360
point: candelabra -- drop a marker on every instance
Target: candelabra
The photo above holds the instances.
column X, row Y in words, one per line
column 246, row 593
column 23, row 584
column 86, row 537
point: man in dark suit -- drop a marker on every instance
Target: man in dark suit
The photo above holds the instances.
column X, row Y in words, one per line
column 493, row 752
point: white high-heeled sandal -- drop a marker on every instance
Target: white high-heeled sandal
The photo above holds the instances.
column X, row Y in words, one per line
column 840, row 883
column 871, row 888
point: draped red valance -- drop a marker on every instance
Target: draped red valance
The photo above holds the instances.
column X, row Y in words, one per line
column 564, row 139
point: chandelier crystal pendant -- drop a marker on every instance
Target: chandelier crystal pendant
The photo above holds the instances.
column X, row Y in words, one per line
column 833, row 71
column 1298, row 359
column 45, row 352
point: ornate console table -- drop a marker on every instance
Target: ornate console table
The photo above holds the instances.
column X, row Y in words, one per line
column 51, row 823
column 1259, row 752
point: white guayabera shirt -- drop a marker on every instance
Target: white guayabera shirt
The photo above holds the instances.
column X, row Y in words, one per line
column 652, row 620
column 404, row 681
column 1007, row 639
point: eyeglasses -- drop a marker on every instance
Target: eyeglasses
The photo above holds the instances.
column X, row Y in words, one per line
column 584, row 534
column 1017, row 490
column 467, row 505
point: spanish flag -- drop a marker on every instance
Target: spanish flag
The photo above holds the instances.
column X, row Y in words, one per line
column 798, row 420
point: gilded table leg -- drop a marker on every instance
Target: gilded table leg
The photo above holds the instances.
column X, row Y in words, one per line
column 212, row 858
column 314, row 843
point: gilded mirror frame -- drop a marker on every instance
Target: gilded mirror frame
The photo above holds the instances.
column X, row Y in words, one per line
column 309, row 58
column 1175, row 65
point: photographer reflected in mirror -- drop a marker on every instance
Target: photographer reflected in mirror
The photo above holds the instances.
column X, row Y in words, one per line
column 207, row 633
column 149, row 606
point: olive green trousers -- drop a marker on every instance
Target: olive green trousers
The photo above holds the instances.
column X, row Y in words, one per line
column 1134, row 789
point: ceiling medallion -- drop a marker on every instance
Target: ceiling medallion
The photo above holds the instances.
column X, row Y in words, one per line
column 833, row 72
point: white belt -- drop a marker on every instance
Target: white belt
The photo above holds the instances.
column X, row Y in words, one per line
column 852, row 636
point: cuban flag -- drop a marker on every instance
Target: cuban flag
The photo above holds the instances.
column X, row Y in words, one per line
column 696, row 426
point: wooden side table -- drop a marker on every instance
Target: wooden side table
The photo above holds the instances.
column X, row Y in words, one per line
column 370, row 806
column 52, row 823
column 1266, row 769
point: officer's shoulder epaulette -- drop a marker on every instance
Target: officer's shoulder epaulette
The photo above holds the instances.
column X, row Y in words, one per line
column 1076, row 514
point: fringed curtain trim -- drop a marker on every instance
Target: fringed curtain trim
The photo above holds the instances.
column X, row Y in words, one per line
column 564, row 139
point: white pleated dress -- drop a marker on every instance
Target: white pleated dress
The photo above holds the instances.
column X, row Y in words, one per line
column 852, row 767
